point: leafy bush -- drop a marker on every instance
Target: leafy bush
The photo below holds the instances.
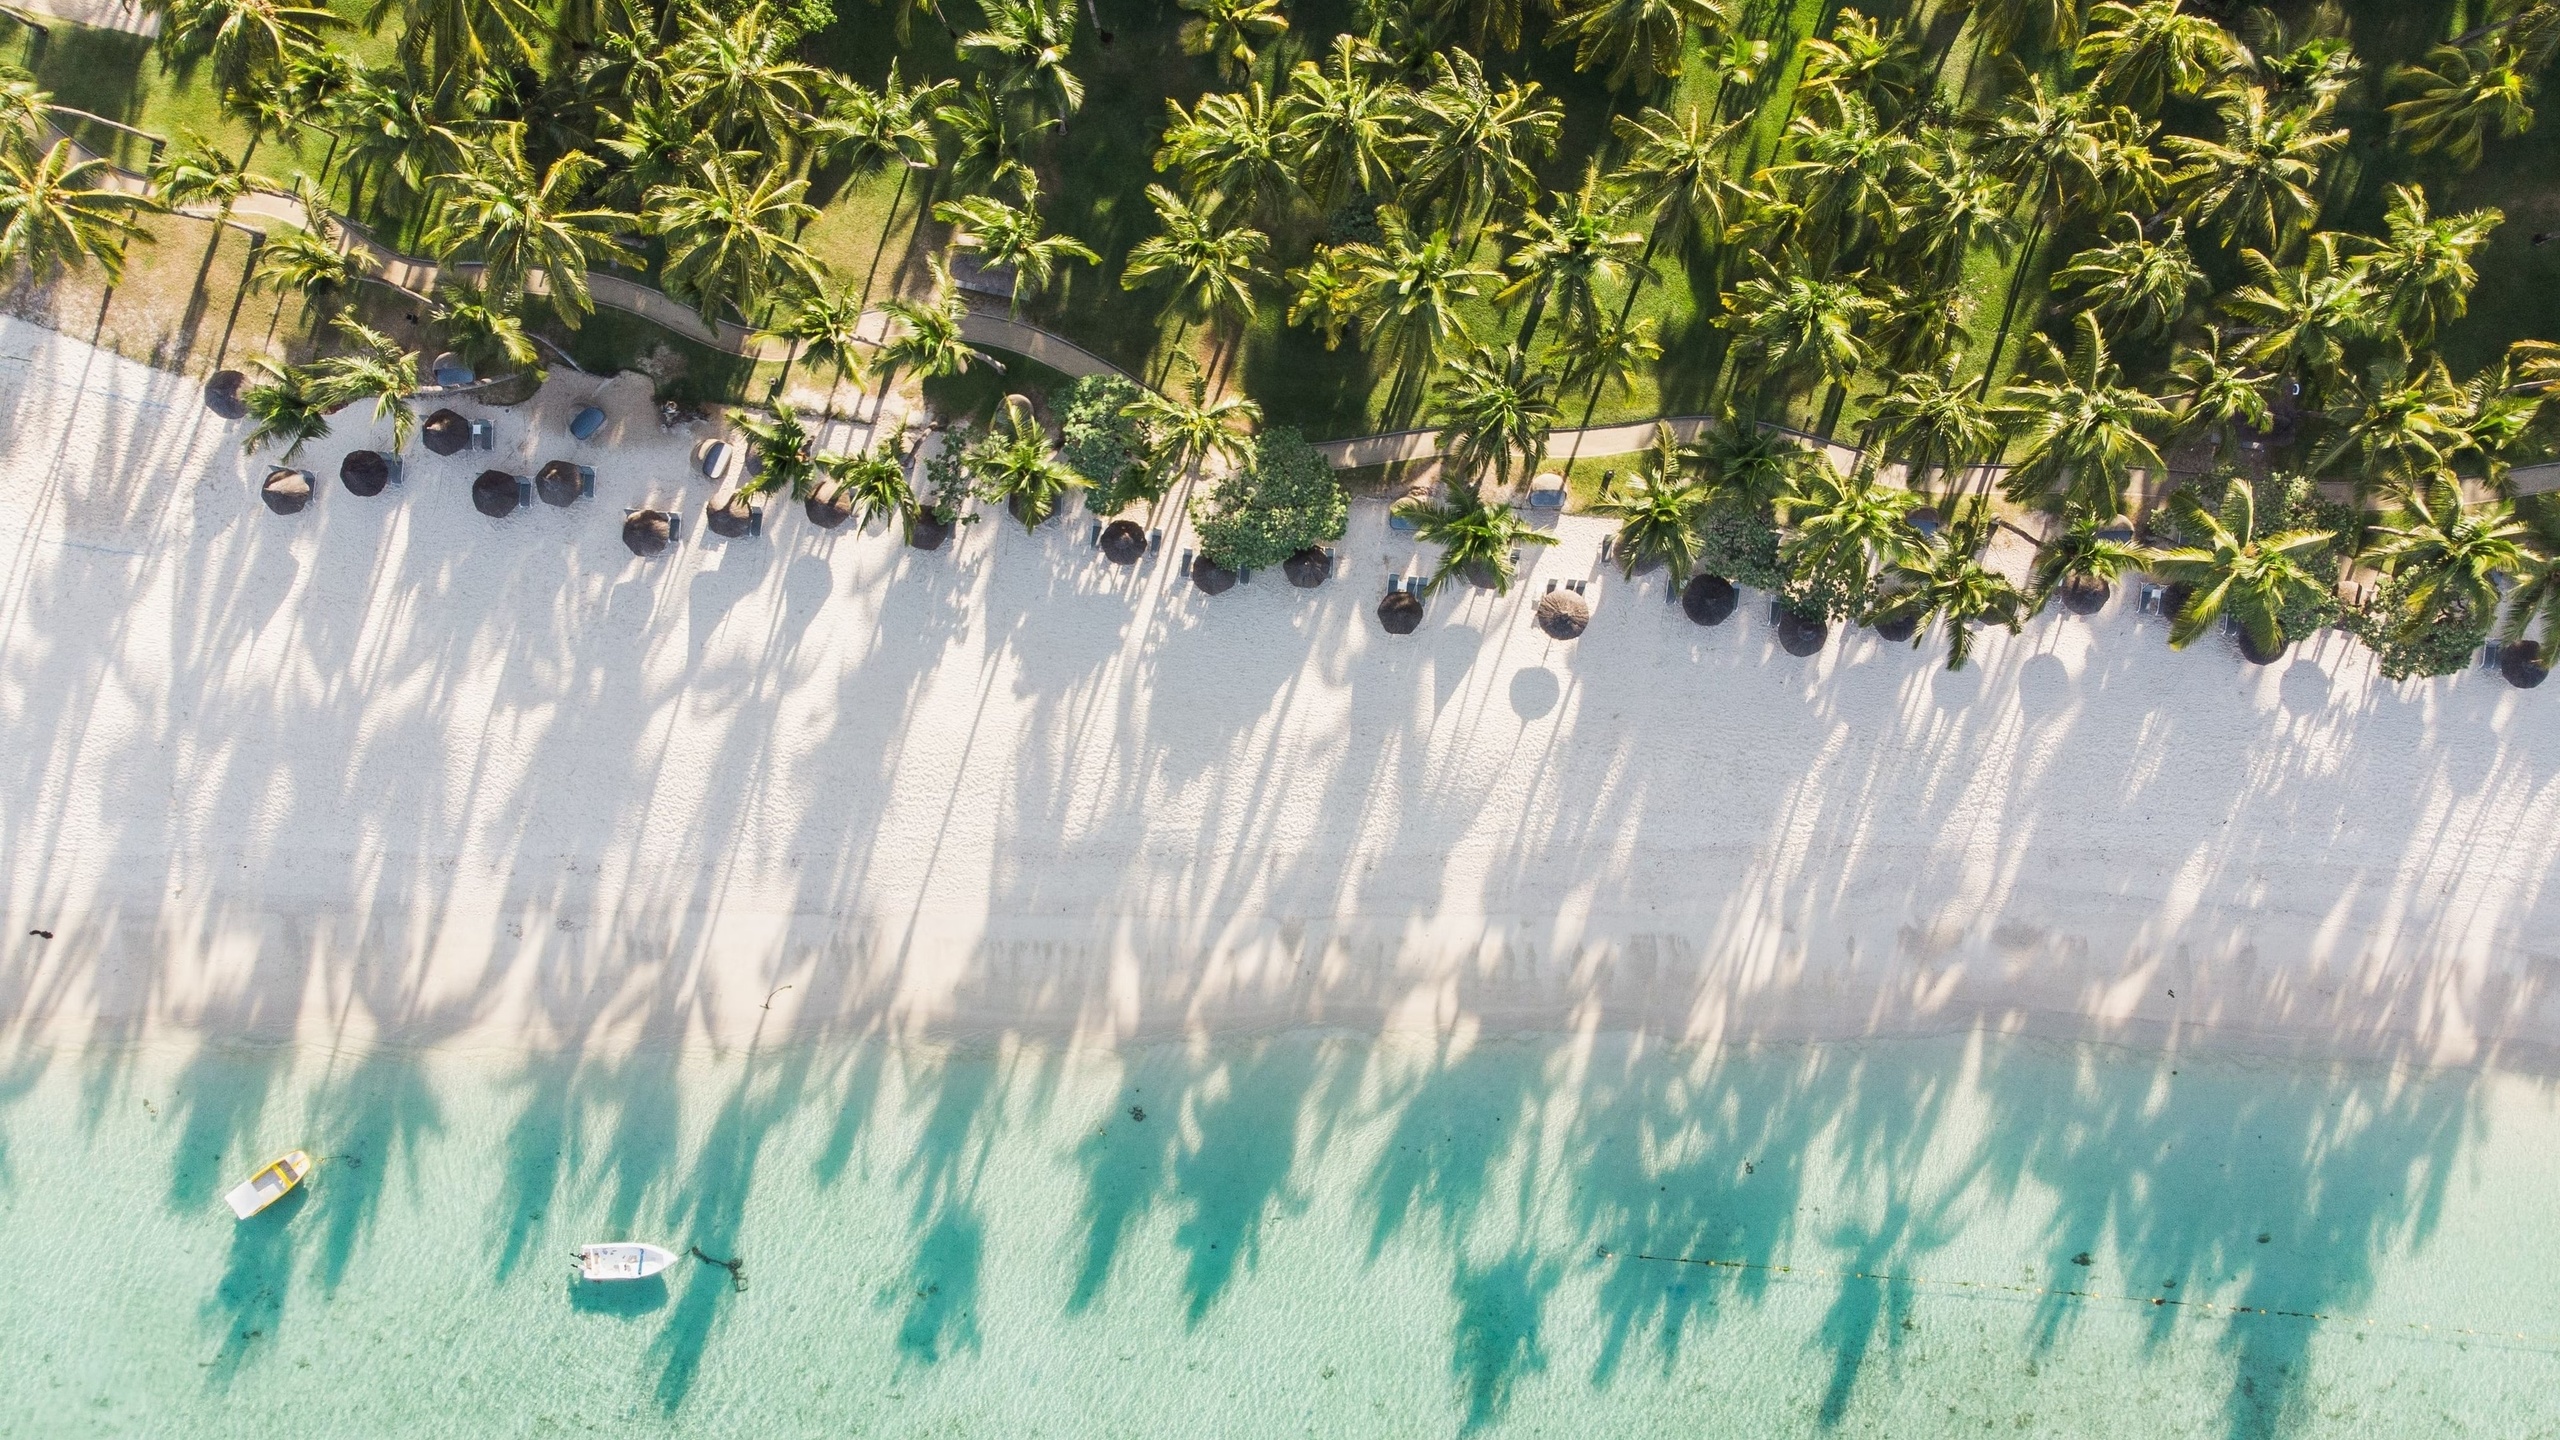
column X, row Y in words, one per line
column 1263, row 512
column 949, row 480
column 2443, row 645
column 1105, row 446
column 1742, row 546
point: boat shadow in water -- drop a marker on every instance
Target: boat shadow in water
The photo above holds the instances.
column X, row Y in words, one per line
column 248, row 1303
column 626, row 1298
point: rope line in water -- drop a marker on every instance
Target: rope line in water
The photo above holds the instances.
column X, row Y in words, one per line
column 737, row 1268
column 2204, row 1307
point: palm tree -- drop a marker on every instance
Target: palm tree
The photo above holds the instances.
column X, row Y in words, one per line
column 1638, row 40
column 2010, row 26
column 2303, row 318
column 1019, row 467
column 1492, row 25
column 1186, row 434
column 1010, row 237
column 1027, row 42
column 2404, row 424
column 192, row 172
column 2081, row 553
column 1495, row 409
column 737, row 75
column 2253, row 577
column 2070, row 152
column 307, row 262
column 380, row 369
column 822, row 324
column 2134, row 279
column 1238, row 146
column 1211, row 266
column 871, row 129
column 2256, row 182
column 2081, row 428
column 481, row 327
column 1229, row 30
column 2459, row 98
column 1568, row 251
column 1847, row 177
column 990, row 146
column 1601, row 353
column 1793, row 322
column 1845, row 529
column 1476, row 539
column 778, row 452
column 1675, row 174
column 1932, row 417
column 1946, row 578
column 395, row 139
column 519, row 224
column 1860, row 58
column 2421, row 275
column 1408, row 291
column 1953, row 206
column 1658, row 511
column 2147, row 50
column 1343, row 125
column 873, row 483
column 53, row 214
column 287, row 403
column 458, row 42
column 1749, row 468
column 2212, row 386
column 728, row 238
column 1327, row 292
column 924, row 336
column 2446, row 557
column 248, row 42
column 1473, row 145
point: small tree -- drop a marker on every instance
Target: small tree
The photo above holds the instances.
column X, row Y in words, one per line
column 1107, row 445
column 1475, row 539
column 1284, row 500
column 1016, row 464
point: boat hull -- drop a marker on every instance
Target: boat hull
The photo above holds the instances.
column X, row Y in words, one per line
column 622, row 1260
column 274, row 1181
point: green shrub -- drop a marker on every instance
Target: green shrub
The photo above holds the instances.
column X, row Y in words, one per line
column 1263, row 512
column 2441, row 646
column 1105, row 446
column 1742, row 546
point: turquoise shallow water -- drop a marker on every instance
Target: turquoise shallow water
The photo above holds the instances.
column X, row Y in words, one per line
column 1304, row 1235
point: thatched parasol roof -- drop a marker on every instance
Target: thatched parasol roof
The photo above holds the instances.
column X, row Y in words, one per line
column 2083, row 595
column 728, row 514
column 445, row 432
column 1308, row 568
column 828, row 506
column 2522, row 664
column 1799, row 635
column 222, row 394
column 1924, row 519
column 494, row 494
column 2250, row 652
column 1123, row 541
column 364, row 472
column 558, row 483
column 1212, row 577
column 1898, row 627
column 648, row 532
column 927, row 531
column 1563, row 614
column 2173, row 600
column 286, row 490
column 1709, row 599
column 1400, row 613
column 1481, row 574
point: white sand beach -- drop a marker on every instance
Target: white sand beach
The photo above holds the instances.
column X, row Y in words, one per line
column 390, row 770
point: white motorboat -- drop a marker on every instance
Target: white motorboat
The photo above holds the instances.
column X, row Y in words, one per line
column 273, row 1182
column 622, row 1260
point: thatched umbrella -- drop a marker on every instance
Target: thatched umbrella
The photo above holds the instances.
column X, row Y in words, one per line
column 1923, row 519
column 1563, row 614
column 2522, row 664
column 2173, row 600
column 1400, row 613
column 1308, row 568
column 445, row 432
column 1898, row 627
column 1212, row 577
column 927, row 530
column 1481, row 574
column 287, row 490
column 828, row 506
column 2085, row 595
column 1123, row 541
column 222, row 394
column 365, row 472
column 1801, row 635
column 648, row 532
column 559, row 483
column 1709, row 599
column 494, row 494
column 728, row 514
column 2250, row 652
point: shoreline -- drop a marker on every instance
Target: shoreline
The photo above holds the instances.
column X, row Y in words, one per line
column 390, row 772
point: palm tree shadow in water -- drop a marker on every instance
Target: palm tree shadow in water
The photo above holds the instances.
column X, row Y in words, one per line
column 248, row 1302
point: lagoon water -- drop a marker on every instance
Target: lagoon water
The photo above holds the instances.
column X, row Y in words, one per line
column 1303, row 1235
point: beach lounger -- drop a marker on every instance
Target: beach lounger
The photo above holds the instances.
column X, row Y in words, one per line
column 1155, row 539
column 2490, row 654
column 483, row 435
column 1413, row 584
column 524, row 490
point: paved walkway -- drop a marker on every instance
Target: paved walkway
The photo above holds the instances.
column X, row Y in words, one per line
column 121, row 15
